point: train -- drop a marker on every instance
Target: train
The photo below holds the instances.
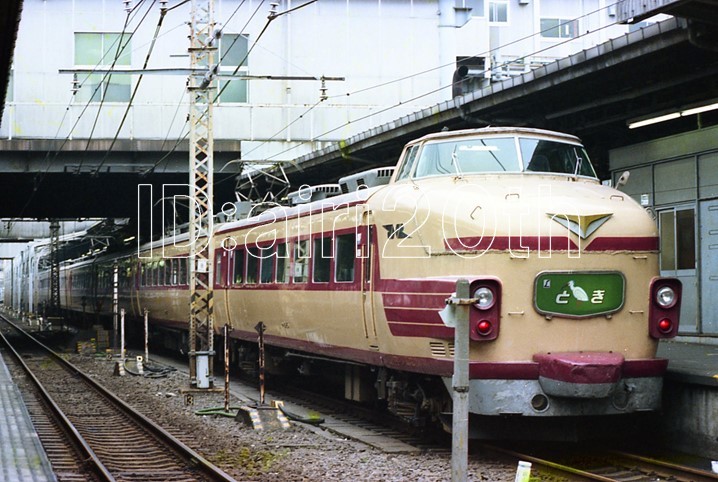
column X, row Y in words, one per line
column 567, row 306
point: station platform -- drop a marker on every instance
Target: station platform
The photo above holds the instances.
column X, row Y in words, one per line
column 690, row 363
column 690, row 397
column 22, row 457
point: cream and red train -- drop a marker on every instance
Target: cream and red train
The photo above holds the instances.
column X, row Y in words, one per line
column 569, row 306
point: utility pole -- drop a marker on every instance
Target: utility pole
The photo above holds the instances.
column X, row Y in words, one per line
column 201, row 164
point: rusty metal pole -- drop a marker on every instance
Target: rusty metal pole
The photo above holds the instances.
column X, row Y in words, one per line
column 115, row 303
column 260, row 329
column 226, row 370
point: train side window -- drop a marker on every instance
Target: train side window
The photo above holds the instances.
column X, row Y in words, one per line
column 406, row 166
column 346, row 255
column 238, row 266
column 183, row 275
column 282, row 264
column 322, row 260
column 173, row 271
column 301, row 261
column 161, row 269
column 218, row 268
column 252, row 265
column 266, row 271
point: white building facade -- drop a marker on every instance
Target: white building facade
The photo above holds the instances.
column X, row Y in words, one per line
column 395, row 57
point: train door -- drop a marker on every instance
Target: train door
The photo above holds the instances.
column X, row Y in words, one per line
column 677, row 227
column 709, row 265
column 367, row 253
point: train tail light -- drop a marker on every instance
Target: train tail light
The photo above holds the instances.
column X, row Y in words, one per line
column 485, row 312
column 484, row 327
column 664, row 307
column 665, row 325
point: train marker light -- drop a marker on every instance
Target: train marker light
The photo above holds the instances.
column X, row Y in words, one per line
column 665, row 325
column 484, row 298
column 666, row 297
column 484, row 327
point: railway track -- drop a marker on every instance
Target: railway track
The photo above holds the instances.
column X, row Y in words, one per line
column 609, row 466
column 385, row 432
column 93, row 435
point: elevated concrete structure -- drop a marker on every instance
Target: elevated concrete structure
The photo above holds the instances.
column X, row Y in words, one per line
column 592, row 94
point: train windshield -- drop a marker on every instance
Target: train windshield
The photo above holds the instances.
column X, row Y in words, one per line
column 496, row 155
column 549, row 156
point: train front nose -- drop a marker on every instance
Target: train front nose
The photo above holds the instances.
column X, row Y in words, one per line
column 579, row 374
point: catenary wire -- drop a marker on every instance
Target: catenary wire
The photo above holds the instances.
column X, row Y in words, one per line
column 401, row 103
column 134, row 91
column 40, row 178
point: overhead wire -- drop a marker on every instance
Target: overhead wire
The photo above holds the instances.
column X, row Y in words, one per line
column 403, row 102
column 108, row 76
column 39, row 178
column 120, row 47
column 102, row 99
column 423, row 72
column 182, row 138
column 136, row 88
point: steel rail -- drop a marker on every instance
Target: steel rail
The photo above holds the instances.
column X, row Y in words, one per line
column 212, row 471
column 548, row 463
column 670, row 471
column 93, row 461
column 681, row 469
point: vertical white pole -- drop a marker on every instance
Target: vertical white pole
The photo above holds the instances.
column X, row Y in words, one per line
column 122, row 335
column 460, row 385
column 147, row 348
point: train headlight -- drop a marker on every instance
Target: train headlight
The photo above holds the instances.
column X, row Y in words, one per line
column 484, row 298
column 666, row 297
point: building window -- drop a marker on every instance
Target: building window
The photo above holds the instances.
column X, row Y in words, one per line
column 559, row 28
column 101, row 50
column 678, row 239
column 233, row 50
column 498, row 11
column 476, row 6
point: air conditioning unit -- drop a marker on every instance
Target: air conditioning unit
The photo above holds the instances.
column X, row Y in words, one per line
column 370, row 178
column 308, row 194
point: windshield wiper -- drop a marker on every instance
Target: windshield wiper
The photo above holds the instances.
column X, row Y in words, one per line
column 579, row 161
column 455, row 162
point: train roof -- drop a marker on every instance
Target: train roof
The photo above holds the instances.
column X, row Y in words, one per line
column 491, row 131
column 283, row 212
